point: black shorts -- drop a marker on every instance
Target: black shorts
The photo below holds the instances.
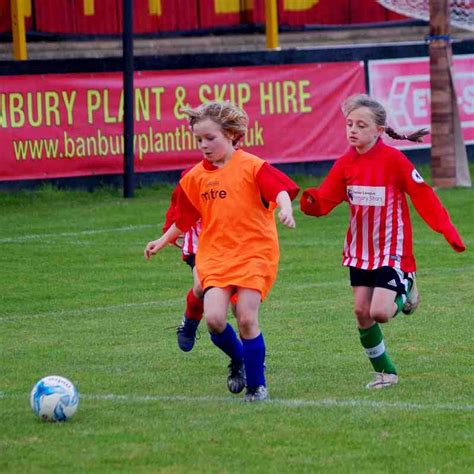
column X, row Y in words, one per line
column 191, row 260
column 383, row 277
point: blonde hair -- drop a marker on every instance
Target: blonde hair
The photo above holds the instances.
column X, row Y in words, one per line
column 380, row 116
column 230, row 117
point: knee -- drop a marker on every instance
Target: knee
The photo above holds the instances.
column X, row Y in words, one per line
column 362, row 314
column 248, row 325
column 215, row 323
column 380, row 315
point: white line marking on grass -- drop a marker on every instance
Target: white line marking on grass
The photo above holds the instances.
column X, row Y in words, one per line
column 23, row 238
column 288, row 403
column 97, row 309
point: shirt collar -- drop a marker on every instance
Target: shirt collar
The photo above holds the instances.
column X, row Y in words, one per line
column 372, row 153
column 210, row 167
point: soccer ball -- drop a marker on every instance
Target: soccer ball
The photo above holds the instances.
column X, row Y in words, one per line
column 54, row 398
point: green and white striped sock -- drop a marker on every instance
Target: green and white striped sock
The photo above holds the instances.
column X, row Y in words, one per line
column 373, row 343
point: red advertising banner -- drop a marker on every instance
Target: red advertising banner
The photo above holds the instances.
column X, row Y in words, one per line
column 403, row 86
column 72, row 124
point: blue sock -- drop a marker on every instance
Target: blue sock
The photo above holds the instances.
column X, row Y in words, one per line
column 228, row 342
column 254, row 358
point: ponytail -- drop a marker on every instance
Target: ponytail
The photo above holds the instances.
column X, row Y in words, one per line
column 413, row 137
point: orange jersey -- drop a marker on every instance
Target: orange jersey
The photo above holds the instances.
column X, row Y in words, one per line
column 238, row 244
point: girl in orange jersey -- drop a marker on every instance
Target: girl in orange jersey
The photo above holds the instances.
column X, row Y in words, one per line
column 234, row 194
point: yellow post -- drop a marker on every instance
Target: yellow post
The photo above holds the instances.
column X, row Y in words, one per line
column 298, row 5
column 154, row 7
column 89, row 8
column 271, row 24
column 27, row 10
column 18, row 10
column 232, row 6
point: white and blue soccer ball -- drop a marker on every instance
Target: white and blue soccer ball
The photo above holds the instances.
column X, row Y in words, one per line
column 54, row 398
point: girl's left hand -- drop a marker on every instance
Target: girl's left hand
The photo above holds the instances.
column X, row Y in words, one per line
column 154, row 247
column 286, row 217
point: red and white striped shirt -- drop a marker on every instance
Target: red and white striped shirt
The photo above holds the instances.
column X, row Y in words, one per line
column 375, row 185
column 190, row 237
column 190, row 240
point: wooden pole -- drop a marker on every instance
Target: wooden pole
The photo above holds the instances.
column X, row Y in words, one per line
column 448, row 153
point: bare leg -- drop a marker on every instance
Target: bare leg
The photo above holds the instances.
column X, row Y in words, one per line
column 383, row 307
column 216, row 301
column 248, row 304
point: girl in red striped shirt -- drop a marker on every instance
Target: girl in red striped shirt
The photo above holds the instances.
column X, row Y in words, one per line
column 374, row 179
column 193, row 314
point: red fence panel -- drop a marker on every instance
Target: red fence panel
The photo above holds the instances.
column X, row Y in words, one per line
column 104, row 21
column 360, row 13
column 173, row 15
column 214, row 13
column 396, row 16
column 307, row 12
column 5, row 22
column 67, row 16
column 6, row 19
column 54, row 16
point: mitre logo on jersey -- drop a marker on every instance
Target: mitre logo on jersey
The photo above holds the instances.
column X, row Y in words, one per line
column 213, row 194
column 366, row 195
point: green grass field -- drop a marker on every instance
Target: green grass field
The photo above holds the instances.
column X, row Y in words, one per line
column 78, row 300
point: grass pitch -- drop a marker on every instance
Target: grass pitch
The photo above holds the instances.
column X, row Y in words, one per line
column 78, row 300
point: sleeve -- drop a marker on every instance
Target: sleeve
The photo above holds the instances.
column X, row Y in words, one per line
column 428, row 205
column 321, row 201
column 185, row 213
column 272, row 181
column 170, row 216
